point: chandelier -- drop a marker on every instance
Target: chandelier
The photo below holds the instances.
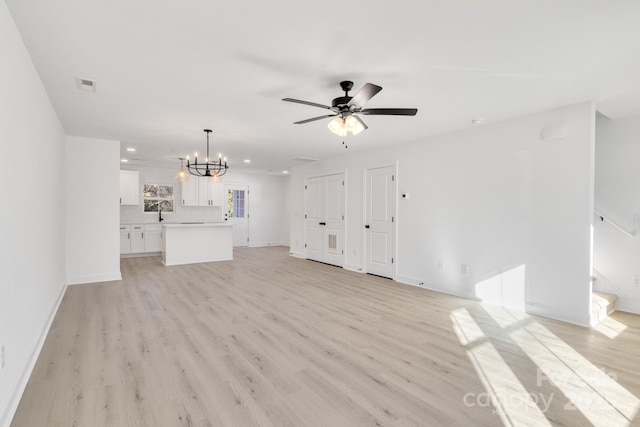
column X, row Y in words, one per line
column 207, row 168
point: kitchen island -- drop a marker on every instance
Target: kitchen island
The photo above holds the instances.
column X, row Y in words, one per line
column 190, row 243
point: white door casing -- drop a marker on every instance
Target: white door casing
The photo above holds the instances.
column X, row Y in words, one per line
column 380, row 221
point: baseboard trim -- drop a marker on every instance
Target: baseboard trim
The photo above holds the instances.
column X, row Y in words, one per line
column 140, row 255
column 553, row 313
column 14, row 400
column 297, row 255
column 406, row 280
column 352, row 267
column 627, row 308
column 93, row 278
column 263, row 244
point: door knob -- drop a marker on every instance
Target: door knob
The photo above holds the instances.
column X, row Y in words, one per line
column 366, row 226
column 322, row 223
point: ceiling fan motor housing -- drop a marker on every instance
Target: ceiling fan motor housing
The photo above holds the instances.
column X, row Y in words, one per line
column 341, row 101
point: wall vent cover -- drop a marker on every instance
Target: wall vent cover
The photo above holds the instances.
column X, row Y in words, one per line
column 86, row 84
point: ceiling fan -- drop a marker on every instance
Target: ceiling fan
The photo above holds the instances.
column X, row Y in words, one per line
column 345, row 109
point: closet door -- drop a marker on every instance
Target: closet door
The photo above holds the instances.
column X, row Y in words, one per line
column 324, row 212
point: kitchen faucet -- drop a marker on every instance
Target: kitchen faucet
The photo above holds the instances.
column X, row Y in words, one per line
column 160, row 215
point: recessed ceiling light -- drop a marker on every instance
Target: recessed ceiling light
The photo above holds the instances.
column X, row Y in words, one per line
column 131, row 149
column 247, row 160
column 124, row 160
column 477, row 121
column 285, row 171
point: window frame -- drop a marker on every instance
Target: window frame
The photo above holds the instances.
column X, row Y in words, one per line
column 172, row 199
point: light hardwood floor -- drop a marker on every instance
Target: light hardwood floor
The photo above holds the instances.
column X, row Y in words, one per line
column 271, row 340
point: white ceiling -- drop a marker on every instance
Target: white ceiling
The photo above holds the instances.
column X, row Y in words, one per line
column 165, row 70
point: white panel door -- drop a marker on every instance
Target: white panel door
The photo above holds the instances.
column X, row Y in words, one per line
column 314, row 208
column 324, row 207
column 237, row 212
column 334, row 219
column 379, row 221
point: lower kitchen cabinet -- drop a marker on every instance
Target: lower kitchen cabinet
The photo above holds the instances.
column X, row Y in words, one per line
column 137, row 238
column 125, row 239
column 152, row 238
column 140, row 238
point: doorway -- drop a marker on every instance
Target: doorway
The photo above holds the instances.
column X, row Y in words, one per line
column 379, row 228
column 324, row 219
column 237, row 212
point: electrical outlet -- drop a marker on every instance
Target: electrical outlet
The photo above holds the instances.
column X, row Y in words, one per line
column 2, row 358
column 440, row 265
column 464, row 269
column 635, row 280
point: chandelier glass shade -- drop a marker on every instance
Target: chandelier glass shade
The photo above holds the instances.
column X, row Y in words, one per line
column 342, row 125
column 207, row 168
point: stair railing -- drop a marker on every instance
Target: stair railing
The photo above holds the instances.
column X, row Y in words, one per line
column 616, row 226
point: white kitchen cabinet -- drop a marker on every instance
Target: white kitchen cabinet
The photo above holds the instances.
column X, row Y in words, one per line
column 200, row 191
column 190, row 192
column 140, row 238
column 152, row 238
column 137, row 238
column 216, row 194
column 129, row 187
column 125, row 239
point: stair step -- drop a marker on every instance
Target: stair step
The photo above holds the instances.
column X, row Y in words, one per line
column 602, row 305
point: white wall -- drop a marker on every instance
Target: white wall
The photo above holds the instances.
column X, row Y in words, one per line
column 32, row 219
column 514, row 208
column 268, row 222
column 92, row 197
column 616, row 256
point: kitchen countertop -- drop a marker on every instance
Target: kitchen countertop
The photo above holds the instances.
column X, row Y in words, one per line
column 197, row 224
column 170, row 222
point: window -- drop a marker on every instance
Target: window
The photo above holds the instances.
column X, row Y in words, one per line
column 235, row 204
column 158, row 196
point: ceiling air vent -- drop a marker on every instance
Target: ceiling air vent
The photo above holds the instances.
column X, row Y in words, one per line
column 306, row 159
column 86, row 84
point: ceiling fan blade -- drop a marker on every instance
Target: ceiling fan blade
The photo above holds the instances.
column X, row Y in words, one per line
column 314, row 119
column 367, row 92
column 389, row 111
column 313, row 104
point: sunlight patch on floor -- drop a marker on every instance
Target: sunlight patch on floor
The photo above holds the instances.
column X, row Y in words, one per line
column 610, row 328
column 503, row 316
column 465, row 327
column 591, row 390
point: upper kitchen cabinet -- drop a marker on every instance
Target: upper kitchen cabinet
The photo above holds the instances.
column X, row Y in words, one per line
column 201, row 192
column 129, row 187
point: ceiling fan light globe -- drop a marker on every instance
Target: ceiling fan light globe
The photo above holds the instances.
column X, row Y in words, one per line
column 337, row 126
column 354, row 125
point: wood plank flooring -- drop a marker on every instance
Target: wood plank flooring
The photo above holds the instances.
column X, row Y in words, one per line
column 271, row 340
